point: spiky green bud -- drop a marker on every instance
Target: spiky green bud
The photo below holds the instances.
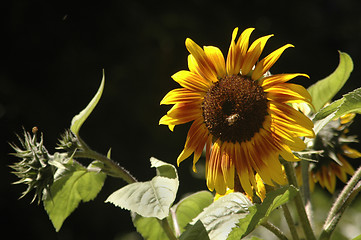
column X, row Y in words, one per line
column 33, row 169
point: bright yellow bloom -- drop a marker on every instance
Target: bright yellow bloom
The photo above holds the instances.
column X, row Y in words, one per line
column 240, row 113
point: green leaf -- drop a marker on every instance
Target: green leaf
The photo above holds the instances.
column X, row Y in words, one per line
column 79, row 119
column 349, row 103
column 148, row 227
column 72, row 186
column 357, row 238
column 195, row 232
column 152, row 198
column 163, row 169
column 189, row 207
column 221, row 216
column 259, row 212
column 324, row 90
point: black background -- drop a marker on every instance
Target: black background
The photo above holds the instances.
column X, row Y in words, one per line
column 53, row 54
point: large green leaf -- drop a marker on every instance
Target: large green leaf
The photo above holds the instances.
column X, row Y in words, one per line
column 188, row 208
column 221, row 216
column 152, row 198
column 72, row 185
column 324, row 90
column 79, row 119
column 259, row 212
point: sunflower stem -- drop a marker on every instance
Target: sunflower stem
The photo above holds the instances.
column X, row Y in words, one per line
column 290, row 222
column 344, row 199
column 306, row 187
column 275, row 230
column 300, row 207
column 113, row 168
column 166, row 227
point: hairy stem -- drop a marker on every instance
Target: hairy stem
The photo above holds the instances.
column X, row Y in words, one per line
column 290, row 222
column 344, row 199
column 166, row 227
column 112, row 167
column 300, row 207
column 275, row 230
column 306, row 188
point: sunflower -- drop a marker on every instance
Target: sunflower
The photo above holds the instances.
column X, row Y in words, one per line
column 333, row 161
column 240, row 113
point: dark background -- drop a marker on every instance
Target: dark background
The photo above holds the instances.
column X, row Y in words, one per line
column 53, row 54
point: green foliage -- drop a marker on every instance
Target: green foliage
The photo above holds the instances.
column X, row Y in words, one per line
column 182, row 213
column 357, row 238
column 221, row 216
column 350, row 102
column 189, row 207
column 195, row 232
column 324, row 90
column 152, row 198
column 73, row 184
column 259, row 212
column 149, row 227
column 79, row 119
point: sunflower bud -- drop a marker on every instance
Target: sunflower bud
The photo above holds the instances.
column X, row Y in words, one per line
column 33, row 169
column 68, row 142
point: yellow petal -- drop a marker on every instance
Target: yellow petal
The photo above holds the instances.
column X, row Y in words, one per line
column 204, row 66
column 253, row 54
column 243, row 43
column 287, row 92
column 266, row 63
column 232, row 55
column 216, row 57
column 196, row 137
column 191, row 81
column 279, row 78
column 182, row 95
column 227, row 164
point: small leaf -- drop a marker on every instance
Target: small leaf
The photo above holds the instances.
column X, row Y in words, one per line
column 349, row 103
column 189, row 207
column 221, row 216
column 195, row 232
column 152, row 198
column 70, row 188
column 259, row 212
column 79, row 119
column 163, row 169
column 324, row 90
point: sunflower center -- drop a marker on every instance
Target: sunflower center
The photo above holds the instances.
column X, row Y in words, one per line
column 234, row 108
